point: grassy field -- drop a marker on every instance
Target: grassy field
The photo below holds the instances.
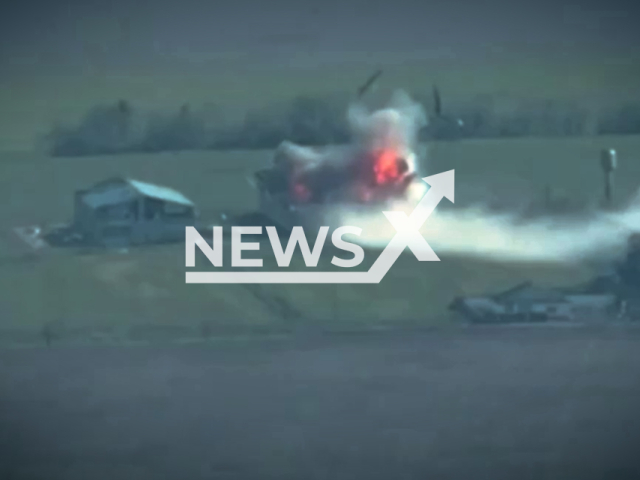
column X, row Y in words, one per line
column 145, row 287
column 479, row 403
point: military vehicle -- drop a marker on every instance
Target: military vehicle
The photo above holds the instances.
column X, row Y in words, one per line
column 303, row 185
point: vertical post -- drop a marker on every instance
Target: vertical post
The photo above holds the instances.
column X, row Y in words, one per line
column 609, row 163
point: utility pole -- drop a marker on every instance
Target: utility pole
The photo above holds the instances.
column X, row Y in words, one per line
column 609, row 164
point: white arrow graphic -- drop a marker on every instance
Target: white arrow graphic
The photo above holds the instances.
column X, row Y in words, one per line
column 408, row 235
column 442, row 185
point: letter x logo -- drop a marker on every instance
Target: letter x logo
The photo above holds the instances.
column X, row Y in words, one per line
column 408, row 226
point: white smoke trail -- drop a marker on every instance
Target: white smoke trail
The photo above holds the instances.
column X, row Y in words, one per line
column 477, row 231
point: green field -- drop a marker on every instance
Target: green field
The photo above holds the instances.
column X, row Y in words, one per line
column 144, row 288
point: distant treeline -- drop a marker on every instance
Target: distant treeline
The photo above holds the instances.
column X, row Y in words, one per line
column 120, row 128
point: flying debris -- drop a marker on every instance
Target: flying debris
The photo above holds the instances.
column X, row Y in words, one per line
column 437, row 102
column 438, row 113
column 366, row 86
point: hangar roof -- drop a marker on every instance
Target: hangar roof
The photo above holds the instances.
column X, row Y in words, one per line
column 120, row 190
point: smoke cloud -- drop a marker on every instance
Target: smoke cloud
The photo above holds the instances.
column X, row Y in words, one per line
column 395, row 128
column 476, row 230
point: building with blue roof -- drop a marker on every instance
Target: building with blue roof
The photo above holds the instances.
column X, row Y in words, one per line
column 123, row 211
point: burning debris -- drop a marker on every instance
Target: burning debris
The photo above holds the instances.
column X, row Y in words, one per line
column 313, row 176
column 380, row 165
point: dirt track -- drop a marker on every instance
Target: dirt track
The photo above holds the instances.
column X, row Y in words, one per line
column 489, row 403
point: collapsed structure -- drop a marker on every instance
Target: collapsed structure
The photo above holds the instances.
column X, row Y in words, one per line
column 528, row 303
column 614, row 295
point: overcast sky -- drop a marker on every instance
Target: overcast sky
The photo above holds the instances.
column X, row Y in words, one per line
column 58, row 56
column 121, row 36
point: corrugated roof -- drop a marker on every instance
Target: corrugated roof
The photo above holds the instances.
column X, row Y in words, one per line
column 120, row 190
column 161, row 193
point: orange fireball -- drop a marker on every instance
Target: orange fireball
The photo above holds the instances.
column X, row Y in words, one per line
column 386, row 166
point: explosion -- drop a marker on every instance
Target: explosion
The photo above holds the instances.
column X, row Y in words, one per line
column 379, row 165
column 387, row 166
column 378, row 172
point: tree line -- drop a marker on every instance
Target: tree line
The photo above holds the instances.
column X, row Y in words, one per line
column 121, row 128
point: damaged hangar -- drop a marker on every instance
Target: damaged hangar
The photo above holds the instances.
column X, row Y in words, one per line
column 528, row 303
column 122, row 211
